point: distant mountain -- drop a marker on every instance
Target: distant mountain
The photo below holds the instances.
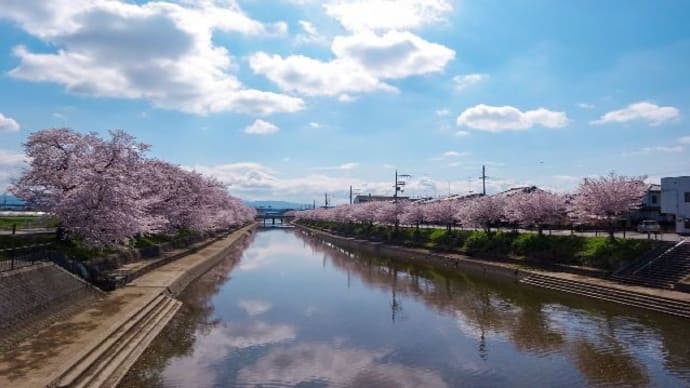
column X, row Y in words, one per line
column 10, row 200
column 276, row 204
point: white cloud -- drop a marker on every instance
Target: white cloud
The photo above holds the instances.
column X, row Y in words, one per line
column 442, row 112
column 358, row 15
column 255, row 181
column 567, row 178
column 312, row 77
column 309, row 34
column 11, row 158
column 648, row 112
column 11, row 163
column 260, row 127
column 217, row 343
column 99, row 44
column 314, row 125
column 684, row 140
column 585, row 105
column 346, row 98
column 466, row 80
column 657, row 149
column 393, row 54
column 361, row 63
column 462, row 133
column 8, row 124
column 507, row 118
column 308, row 27
column 306, row 363
column 341, row 167
column 254, row 307
column 450, row 155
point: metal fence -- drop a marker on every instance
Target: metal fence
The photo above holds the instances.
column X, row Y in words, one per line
column 23, row 256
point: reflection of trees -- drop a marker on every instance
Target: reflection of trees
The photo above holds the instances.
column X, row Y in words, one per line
column 607, row 363
column 488, row 307
column 178, row 337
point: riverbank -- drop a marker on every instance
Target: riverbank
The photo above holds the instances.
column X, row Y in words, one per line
column 99, row 344
column 665, row 301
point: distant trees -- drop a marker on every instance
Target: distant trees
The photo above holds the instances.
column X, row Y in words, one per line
column 106, row 191
column 606, row 199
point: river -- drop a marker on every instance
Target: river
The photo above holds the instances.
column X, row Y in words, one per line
column 287, row 309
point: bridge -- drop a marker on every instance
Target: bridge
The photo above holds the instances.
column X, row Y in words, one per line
column 273, row 217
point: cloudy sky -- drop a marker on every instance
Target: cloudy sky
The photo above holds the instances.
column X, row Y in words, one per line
column 286, row 99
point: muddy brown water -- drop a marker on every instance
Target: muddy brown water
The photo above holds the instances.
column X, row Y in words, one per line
column 288, row 309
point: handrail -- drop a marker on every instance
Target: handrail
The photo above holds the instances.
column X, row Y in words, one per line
column 646, row 257
column 681, row 242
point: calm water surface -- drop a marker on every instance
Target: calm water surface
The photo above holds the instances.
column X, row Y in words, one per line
column 291, row 310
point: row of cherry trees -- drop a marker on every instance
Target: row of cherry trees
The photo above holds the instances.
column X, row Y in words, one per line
column 107, row 191
column 597, row 201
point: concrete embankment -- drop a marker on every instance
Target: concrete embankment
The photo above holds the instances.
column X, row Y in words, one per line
column 97, row 346
column 32, row 297
column 662, row 301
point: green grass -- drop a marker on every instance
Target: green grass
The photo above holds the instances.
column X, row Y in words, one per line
column 24, row 222
column 597, row 252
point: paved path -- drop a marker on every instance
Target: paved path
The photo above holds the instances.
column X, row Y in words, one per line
column 41, row 358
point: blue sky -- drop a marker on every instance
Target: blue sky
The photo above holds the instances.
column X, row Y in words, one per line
column 286, row 99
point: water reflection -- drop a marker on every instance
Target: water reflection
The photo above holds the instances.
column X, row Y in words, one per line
column 334, row 364
column 300, row 311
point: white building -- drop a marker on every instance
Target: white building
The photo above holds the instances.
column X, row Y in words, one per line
column 675, row 199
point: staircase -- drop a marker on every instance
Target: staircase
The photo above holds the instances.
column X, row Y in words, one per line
column 610, row 294
column 106, row 364
column 664, row 271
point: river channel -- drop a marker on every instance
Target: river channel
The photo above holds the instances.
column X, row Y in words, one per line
column 287, row 309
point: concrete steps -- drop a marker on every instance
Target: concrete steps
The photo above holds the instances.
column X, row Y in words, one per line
column 610, row 294
column 106, row 364
column 664, row 271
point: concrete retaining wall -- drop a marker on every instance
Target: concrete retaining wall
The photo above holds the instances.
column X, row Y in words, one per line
column 421, row 256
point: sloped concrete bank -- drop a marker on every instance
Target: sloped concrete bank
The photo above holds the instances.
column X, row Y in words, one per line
column 98, row 345
column 33, row 297
column 662, row 301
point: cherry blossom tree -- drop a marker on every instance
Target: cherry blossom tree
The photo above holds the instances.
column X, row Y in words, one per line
column 390, row 212
column 481, row 212
column 441, row 212
column 105, row 191
column 608, row 199
column 413, row 214
column 536, row 208
column 90, row 185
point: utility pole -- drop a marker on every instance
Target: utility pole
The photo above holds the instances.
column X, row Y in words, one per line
column 314, row 205
column 399, row 184
column 350, row 194
column 325, row 200
column 395, row 193
column 483, row 178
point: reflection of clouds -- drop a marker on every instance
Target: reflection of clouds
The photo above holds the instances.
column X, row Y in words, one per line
column 198, row 370
column 267, row 247
column 254, row 307
column 341, row 367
